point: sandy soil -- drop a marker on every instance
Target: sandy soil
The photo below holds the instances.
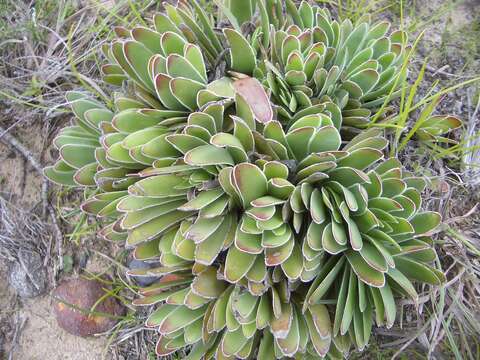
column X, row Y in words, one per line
column 17, row 178
column 61, row 345
column 40, row 338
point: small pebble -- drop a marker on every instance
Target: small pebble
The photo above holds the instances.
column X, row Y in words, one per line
column 142, row 280
column 74, row 300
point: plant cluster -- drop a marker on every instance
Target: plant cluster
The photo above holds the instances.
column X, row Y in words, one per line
column 261, row 191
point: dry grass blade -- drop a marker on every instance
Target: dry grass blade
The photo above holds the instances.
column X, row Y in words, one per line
column 471, row 158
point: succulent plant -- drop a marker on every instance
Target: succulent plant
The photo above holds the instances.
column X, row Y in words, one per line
column 315, row 58
column 274, row 218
